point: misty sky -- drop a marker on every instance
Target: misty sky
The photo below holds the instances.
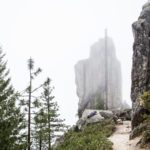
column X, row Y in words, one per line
column 58, row 33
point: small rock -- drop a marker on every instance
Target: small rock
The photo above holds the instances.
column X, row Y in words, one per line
column 119, row 121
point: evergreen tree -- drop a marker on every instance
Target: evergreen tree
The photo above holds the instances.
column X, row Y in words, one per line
column 48, row 124
column 31, row 104
column 40, row 123
column 11, row 120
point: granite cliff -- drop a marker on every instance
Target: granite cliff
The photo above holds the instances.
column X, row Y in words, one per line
column 141, row 60
column 93, row 74
column 140, row 90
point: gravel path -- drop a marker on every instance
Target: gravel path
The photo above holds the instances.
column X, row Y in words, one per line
column 120, row 138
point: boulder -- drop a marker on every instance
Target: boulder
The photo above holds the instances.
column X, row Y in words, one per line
column 124, row 114
column 89, row 116
column 106, row 114
column 94, row 119
column 92, row 116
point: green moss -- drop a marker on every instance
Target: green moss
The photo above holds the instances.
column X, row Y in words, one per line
column 93, row 137
column 145, row 100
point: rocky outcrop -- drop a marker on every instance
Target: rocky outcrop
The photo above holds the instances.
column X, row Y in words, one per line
column 101, row 69
column 141, row 62
column 140, row 91
column 90, row 116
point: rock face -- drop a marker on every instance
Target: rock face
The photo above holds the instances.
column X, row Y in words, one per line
column 94, row 73
column 141, row 62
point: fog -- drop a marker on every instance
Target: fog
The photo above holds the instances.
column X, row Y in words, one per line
column 98, row 78
column 57, row 34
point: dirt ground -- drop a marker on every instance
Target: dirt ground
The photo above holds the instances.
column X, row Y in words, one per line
column 120, row 138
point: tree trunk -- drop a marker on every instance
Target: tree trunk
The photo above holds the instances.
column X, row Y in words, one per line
column 49, row 126
column 29, row 112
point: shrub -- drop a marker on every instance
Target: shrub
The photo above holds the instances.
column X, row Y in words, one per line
column 145, row 138
column 93, row 137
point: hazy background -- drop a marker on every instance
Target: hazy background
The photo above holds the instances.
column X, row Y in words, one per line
column 58, row 33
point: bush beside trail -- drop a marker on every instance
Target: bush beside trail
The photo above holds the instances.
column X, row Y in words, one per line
column 91, row 137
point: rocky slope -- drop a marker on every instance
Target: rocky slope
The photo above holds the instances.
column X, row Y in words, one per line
column 92, row 73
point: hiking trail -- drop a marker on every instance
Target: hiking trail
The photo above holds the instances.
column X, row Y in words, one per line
column 120, row 138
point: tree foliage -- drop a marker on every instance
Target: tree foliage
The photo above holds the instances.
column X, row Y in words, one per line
column 30, row 104
column 11, row 120
column 35, row 123
column 48, row 124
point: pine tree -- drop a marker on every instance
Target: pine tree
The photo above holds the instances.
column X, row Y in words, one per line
column 48, row 124
column 11, row 120
column 29, row 103
column 30, row 91
column 40, row 123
